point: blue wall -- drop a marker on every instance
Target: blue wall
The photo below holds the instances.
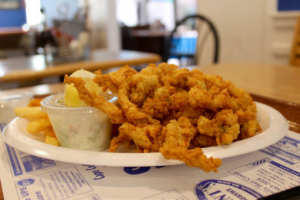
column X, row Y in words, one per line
column 288, row 5
column 13, row 17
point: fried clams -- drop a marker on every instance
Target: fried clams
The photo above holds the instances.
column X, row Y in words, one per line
column 174, row 111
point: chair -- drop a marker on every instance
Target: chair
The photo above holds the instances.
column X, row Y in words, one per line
column 295, row 49
column 172, row 42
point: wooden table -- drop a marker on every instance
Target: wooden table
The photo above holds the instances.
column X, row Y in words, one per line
column 35, row 67
column 10, row 31
column 39, row 90
column 150, row 33
column 275, row 85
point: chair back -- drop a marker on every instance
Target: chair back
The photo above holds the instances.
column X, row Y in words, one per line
column 295, row 48
column 192, row 53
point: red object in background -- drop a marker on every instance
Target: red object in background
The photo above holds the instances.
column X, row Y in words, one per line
column 61, row 35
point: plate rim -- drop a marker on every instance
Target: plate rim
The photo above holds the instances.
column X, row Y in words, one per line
column 145, row 159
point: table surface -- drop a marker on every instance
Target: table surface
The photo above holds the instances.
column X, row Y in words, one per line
column 33, row 67
column 274, row 83
column 150, row 33
column 9, row 31
column 279, row 82
column 38, row 90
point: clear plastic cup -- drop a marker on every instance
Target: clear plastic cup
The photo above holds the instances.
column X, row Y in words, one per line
column 9, row 103
column 84, row 128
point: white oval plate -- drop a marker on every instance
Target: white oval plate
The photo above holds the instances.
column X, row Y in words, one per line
column 274, row 127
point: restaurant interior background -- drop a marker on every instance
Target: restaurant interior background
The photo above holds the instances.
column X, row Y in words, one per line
column 251, row 31
column 254, row 44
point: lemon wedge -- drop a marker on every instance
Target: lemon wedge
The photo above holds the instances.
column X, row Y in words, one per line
column 71, row 95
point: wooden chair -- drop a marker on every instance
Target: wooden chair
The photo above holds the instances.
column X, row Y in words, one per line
column 295, row 49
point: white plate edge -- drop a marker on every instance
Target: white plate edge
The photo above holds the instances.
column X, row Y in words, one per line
column 144, row 159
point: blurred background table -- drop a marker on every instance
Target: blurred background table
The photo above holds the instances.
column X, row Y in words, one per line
column 39, row 90
column 35, row 67
column 275, row 85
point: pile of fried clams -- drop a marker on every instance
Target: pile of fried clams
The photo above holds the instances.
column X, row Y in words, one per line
column 173, row 110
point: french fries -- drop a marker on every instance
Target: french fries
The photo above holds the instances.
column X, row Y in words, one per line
column 38, row 121
column 51, row 140
column 38, row 125
column 30, row 113
column 35, row 102
column 49, row 132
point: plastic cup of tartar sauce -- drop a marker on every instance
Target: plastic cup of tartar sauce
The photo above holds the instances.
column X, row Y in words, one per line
column 84, row 128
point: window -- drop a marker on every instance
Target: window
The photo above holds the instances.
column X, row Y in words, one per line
column 162, row 10
column 33, row 12
column 142, row 12
column 127, row 12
